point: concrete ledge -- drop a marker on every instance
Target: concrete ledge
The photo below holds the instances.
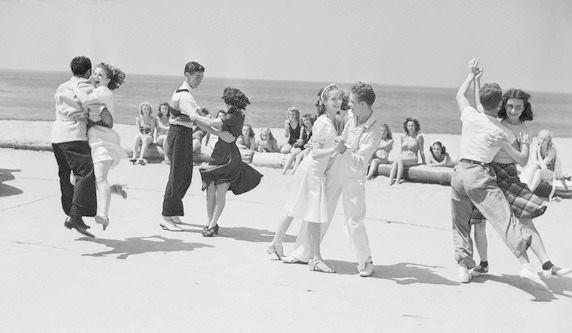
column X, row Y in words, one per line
column 421, row 174
column 35, row 135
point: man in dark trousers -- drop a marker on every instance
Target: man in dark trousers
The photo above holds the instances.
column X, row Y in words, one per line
column 180, row 144
column 72, row 152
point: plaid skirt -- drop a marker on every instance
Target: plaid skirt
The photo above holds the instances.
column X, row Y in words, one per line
column 523, row 202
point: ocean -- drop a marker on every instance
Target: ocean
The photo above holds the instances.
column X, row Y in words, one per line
column 28, row 95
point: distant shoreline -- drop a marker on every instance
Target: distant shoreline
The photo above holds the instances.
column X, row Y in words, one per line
column 387, row 85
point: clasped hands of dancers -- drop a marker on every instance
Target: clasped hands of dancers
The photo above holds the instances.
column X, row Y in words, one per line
column 335, row 167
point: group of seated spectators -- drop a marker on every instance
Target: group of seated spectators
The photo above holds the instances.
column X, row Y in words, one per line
column 543, row 166
column 153, row 130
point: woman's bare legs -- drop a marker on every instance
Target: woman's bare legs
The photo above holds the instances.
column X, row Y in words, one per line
column 399, row 176
column 536, row 245
column 101, row 170
column 290, row 159
column 373, row 168
column 393, row 172
column 316, row 263
column 481, row 243
column 136, row 146
column 220, row 202
column 275, row 248
column 146, row 141
column 211, row 202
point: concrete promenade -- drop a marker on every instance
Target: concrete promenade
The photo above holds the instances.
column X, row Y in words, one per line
column 135, row 277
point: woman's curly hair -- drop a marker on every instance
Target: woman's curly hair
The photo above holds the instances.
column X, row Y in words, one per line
column 388, row 134
column 160, row 114
column 323, row 97
column 440, row 145
column 235, row 98
column 415, row 122
column 115, row 75
column 526, row 114
column 145, row 104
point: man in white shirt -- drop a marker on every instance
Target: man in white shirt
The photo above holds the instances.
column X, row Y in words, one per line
column 72, row 152
column 474, row 183
column 180, row 143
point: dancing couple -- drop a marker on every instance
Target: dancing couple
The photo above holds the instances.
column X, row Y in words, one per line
column 225, row 170
column 84, row 144
column 336, row 166
column 485, row 183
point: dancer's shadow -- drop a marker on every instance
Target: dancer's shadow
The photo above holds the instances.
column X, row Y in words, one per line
column 402, row 273
column 7, row 190
column 556, row 286
column 140, row 245
column 240, row 233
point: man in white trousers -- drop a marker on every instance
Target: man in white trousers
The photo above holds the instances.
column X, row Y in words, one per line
column 346, row 177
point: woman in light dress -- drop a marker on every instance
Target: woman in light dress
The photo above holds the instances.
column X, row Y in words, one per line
column 307, row 199
column 105, row 143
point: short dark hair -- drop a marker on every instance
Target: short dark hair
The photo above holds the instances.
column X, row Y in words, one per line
column 193, row 67
column 235, row 98
column 491, row 95
column 415, row 122
column 364, row 93
column 526, row 114
column 204, row 111
column 80, row 65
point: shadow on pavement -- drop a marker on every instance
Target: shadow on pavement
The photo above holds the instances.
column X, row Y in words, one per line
column 140, row 245
column 241, row 233
column 7, row 190
column 556, row 286
column 402, row 273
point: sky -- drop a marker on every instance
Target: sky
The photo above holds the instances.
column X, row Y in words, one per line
column 521, row 43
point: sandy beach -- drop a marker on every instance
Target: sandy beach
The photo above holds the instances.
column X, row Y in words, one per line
column 137, row 277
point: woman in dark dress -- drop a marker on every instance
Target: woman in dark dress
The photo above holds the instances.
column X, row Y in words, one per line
column 225, row 170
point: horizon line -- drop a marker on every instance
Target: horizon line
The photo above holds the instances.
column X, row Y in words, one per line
column 285, row 80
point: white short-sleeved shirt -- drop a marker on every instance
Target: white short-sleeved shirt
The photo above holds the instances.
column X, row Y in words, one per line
column 184, row 101
column 477, row 128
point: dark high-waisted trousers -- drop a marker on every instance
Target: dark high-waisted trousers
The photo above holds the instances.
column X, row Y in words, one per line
column 180, row 143
column 79, row 200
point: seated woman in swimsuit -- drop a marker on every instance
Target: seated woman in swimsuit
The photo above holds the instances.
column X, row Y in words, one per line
column 146, row 125
column 543, row 165
column 411, row 147
column 381, row 155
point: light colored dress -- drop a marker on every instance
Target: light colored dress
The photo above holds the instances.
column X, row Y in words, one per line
column 307, row 200
column 409, row 149
column 104, row 142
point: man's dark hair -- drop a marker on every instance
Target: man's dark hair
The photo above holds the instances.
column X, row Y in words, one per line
column 80, row 65
column 491, row 95
column 194, row 67
column 364, row 93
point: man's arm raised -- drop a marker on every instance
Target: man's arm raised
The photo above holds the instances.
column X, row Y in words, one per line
column 462, row 100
